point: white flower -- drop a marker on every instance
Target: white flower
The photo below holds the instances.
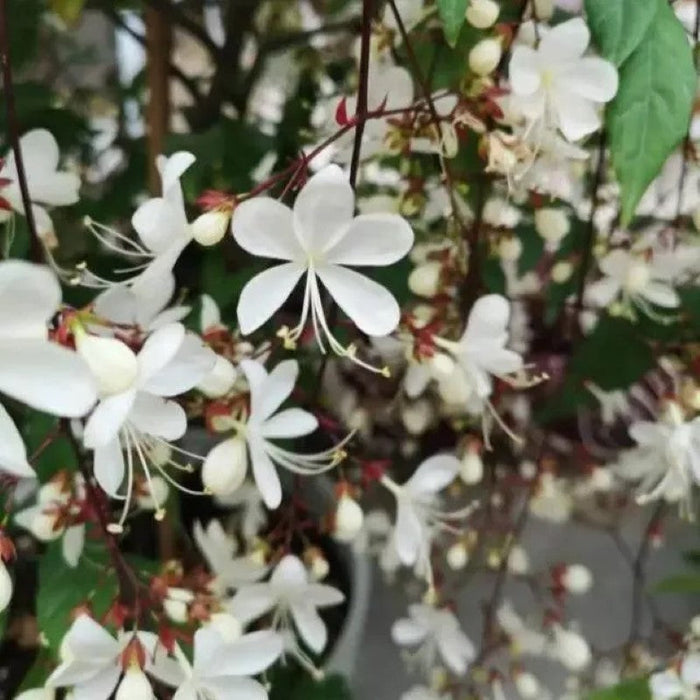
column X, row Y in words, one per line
column 557, row 84
column 421, row 692
column 37, row 694
column 636, row 279
column 523, row 639
column 348, row 519
column 681, row 684
column 46, row 184
column 5, row 586
column 142, row 418
column 318, row 238
column 93, row 660
column 221, row 667
column 264, row 424
column 438, row 633
column 291, row 594
column 254, row 515
column 570, row 649
column 418, row 513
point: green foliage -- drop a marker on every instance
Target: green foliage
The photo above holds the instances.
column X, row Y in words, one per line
column 68, row 10
column 292, row 683
column 58, row 454
column 452, row 14
column 679, row 583
column 637, row 689
column 618, row 26
column 650, row 114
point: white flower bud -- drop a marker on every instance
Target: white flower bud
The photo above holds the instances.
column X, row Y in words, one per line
column 571, row 649
column 134, row 686
column 220, row 380
column 601, row 479
column 227, row 626
column 349, row 518
column 518, row 560
column 510, row 249
column 457, row 556
column 695, row 626
column 319, row 568
column 43, row 527
column 209, row 228
column 442, row 364
column 527, row 685
column 485, row 56
column 176, row 603
column 471, row 467
column 5, row 586
column 482, row 14
column 424, row 280
column 552, row 225
column 416, row 416
column 544, row 9
column 577, row 579
column 562, row 271
column 225, row 467
column 111, row 362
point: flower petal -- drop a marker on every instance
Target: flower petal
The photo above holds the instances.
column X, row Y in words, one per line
column 13, row 453
column 372, row 239
column 371, row 307
column 265, row 474
column 87, row 639
column 433, row 474
column 322, row 595
column 408, row 533
column 154, row 415
column 277, row 388
column 159, row 349
column 661, row 294
column 158, row 222
column 524, row 71
column 109, row 467
column 227, row 688
column 593, row 78
column 323, row 209
column 72, row 544
column 291, row 423
column 265, row 293
column 289, row 575
column 101, row 685
column 47, row 377
column 264, row 227
column 252, row 602
column 577, row 116
column 310, row 626
column 407, row 632
column 250, row 654
column 566, row 41
column 109, row 415
column 488, row 321
column 173, row 167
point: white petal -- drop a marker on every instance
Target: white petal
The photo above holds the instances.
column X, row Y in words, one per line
column 322, row 596
column 323, row 209
column 154, row 415
column 524, row 71
column 159, row 349
column 602, row 291
column 265, row 474
column 593, row 78
column 434, row 474
column 277, row 387
column 456, row 650
column 87, row 639
column 47, row 377
column 29, row 297
column 649, row 434
column 289, row 574
column 577, row 116
column 109, row 467
column 416, row 379
column 73, row 542
column 264, row 227
column 112, row 362
column 661, row 294
column 187, row 691
column 173, row 167
column 372, row 239
column 488, row 320
column 158, row 222
column 265, row 293
column 690, row 669
column 191, row 363
column 108, row 417
column 209, row 315
column 251, row 654
column 407, row 632
column 565, row 41
column 371, row 307
column 13, row 454
column 227, row 688
column 290, row 423
column 251, row 602
column 666, row 685
column 310, row 626
column 100, row 687
column 408, row 533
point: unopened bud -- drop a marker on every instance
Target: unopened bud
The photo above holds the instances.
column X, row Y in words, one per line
column 527, row 685
column 348, row 519
column 220, row 380
column 471, row 467
column 457, row 556
column 134, row 686
column 485, row 56
column 416, row 416
column 176, row 604
column 577, row 579
column 482, row 14
column 571, row 649
column 5, row 586
column 510, row 248
column 562, row 271
column 209, row 228
column 518, row 560
column 317, row 563
column 552, row 224
column 544, row 9
column 424, row 280
column 225, row 467
column 111, row 362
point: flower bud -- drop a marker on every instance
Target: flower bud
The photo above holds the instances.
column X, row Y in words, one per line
column 544, row 9
column 349, row 518
column 485, row 56
column 424, row 280
column 457, row 556
column 52, row 492
column 510, row 248
column 111, row 362
column 416, row 416
column 442, row 364
column 220, row 380
column 227, row 626
column 225, row 467
column 209, row 228
column 482, row 14
column 571, row 649
column 317, row 563
column 518, row 560
column 134, row 686
column 527, row 685
column 5, row 586
column 552, row 224
column 577, row 579
column 43, row 527
column 471, row 467
column 561, row 271
column 695, row 626
column 176, row 604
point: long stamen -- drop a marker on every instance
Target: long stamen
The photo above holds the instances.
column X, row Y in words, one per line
column 118, row 527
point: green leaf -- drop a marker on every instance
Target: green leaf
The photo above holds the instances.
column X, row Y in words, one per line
column 68, row 10
column 650, row 114
column 680, row 583
column 452, row 13
column 637, row 689
column 618, row 26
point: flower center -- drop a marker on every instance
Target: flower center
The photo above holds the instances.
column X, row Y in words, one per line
column 637, row 277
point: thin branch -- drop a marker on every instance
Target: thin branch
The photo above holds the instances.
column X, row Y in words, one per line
column 291, row 39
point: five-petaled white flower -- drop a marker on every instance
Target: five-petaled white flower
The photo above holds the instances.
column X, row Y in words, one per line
column 318, row 239
column 436, row 632
column 290, row 594
column 556, row 84
column 141, row 419
column 46, row 184
column 678, row 684
column 418, row 513
column 226, row 464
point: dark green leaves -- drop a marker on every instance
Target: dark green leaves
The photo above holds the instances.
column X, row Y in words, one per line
column 618, row 26
column 452, row 13
column 649, row 116
column 637, row 689
column 680, row 583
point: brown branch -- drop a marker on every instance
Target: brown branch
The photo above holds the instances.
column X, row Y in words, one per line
column 291, row 39
column 179, row 18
